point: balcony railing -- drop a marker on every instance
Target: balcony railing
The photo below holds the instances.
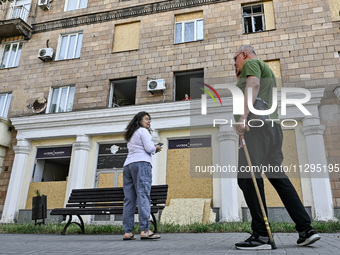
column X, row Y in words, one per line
column 18, row 11
column 16, row 21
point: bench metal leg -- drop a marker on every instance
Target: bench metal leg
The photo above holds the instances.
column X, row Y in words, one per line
column 69, row 222
column 154, row 222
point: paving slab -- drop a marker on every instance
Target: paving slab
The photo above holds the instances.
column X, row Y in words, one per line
column 172, row 244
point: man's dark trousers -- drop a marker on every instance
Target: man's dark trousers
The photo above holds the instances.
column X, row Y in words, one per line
column 264, row 147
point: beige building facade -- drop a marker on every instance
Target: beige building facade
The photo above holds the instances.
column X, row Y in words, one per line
column 74, row 72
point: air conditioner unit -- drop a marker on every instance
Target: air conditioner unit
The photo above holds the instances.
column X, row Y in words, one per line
column 45, row 4
column 45, row 54
column 154, row 85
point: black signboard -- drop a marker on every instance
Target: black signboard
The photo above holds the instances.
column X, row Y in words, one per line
column 54, row 152
column 190, row 143
column 110, row 161
column 112, row 155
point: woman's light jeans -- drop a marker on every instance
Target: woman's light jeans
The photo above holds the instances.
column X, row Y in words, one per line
column 137, row 178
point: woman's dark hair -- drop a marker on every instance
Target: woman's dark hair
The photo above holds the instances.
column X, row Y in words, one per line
column 134, row 125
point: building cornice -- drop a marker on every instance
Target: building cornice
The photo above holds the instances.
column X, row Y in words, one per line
column 165, row 116
column 124, row 13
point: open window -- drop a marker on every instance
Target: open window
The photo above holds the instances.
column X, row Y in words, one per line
column 122, row 92
column 52, row 164
column 182, row 83
column 258, row 17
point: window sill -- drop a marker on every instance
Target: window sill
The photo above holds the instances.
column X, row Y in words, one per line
column 57, row 60
column 75, row 9
column 120, row 51
column 259, row 32
column 8, row 67
column 189, row 42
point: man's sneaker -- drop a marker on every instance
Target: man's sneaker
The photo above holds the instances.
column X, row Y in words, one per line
column 255, row 242
column 307, row 237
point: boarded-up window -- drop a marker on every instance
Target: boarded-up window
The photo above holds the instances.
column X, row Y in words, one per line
column 276, row 68
column 183, row 156
column 289, row 151
column 126, row 37
column 334, row 7
column 269, row 15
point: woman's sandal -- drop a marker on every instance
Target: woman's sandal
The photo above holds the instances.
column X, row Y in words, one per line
column 150, row 236
column 132, row 237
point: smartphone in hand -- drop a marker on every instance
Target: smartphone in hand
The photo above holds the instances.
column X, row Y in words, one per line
column 159, row 144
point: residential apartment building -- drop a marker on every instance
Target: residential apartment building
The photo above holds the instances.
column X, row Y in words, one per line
column 74, row 72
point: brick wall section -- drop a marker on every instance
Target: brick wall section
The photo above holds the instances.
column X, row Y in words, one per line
column 6, row 171
column 305, row 41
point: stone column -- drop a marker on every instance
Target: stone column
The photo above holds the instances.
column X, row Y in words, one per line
column 228, row 161
column 155, row 159
column 79, row 162
column 11, row 207
column 321, row 188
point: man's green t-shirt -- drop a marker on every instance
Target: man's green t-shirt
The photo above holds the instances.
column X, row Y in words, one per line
column 259, row 69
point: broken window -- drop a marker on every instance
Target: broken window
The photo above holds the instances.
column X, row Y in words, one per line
column 253, row 18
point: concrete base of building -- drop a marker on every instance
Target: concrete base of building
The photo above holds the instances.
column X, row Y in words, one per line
column 25, row 216
column 275, row 214
column 337, row 212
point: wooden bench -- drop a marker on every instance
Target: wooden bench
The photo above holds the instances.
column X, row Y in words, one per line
column 105, row 201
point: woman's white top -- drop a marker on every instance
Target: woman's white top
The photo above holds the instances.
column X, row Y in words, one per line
column 140, row 147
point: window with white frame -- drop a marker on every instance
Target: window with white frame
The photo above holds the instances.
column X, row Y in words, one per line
column 69, row 46
column 11, row 55
column 253, row 18
column 61, row 99
column 189, row 27
column 71, row 5
column 5, row 100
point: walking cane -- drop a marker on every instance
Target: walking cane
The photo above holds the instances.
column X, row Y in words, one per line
column 271, row 240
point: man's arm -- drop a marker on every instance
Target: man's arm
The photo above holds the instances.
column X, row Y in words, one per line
column 254, row 83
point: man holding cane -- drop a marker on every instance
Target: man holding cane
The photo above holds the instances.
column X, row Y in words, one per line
column 264, row 146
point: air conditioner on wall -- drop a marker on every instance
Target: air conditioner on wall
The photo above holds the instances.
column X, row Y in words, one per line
column 45, row 4
column 155, row 85
column 45, row 54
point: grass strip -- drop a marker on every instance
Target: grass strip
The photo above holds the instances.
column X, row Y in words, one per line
column 225, row 227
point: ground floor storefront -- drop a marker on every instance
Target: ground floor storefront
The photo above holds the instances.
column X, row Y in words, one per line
column 56, row 153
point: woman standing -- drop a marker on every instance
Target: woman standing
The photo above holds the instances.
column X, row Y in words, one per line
column 137, row 176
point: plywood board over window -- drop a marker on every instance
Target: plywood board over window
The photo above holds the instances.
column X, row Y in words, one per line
column 269, row 15
column 289, row 151
column 126, row 37
column 275, row 66
column 189, row 16
column 183, row 183
column 334, row 6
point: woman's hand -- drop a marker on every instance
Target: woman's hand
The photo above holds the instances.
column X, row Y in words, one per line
column 158, row 148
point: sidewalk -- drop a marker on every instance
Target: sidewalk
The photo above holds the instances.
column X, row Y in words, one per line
column 210, row 243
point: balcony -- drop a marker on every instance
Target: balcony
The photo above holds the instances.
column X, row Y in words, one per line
column 16, row 22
